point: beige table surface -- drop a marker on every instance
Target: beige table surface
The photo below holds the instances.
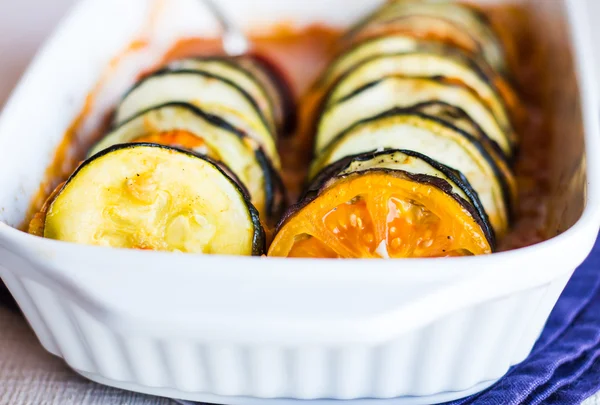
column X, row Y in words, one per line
column 28, row 374
column 31, row 376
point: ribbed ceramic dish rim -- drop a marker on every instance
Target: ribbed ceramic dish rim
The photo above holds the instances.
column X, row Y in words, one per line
column 473, row 271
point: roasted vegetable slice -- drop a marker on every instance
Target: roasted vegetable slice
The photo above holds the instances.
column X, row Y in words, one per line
column 446, row 68
column 146, row 196
column 277, row 86
column 233, row 72
column 252, row 129
column 396, row 44
column 367, row 49
column 455, row 117
column 411, row 162
column 447, row 21
column 210, row 92
column 186, row 126
column 388, row 205
column 389, row 92
column 410, row 130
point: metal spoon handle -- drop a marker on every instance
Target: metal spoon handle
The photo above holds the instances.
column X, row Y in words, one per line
column 234, row 41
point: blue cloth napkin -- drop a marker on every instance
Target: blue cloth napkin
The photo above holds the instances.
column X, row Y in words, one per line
column 564, row 366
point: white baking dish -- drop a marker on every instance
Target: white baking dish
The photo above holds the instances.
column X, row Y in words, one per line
column 241, row 330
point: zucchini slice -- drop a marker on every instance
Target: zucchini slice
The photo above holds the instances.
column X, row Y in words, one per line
column 388, row 204
column 208, row 91
column 455, row 117
column 450, row 68
column 233, row 72
column 447, row 21
column 364, row 50
column 389, row 92
column 277, row 86
column 252, row 128
column 224, row 116
column 410, row 130
column 146, row 196
column 186, row 126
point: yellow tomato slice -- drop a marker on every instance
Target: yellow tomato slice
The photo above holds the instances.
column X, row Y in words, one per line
column 381, row 215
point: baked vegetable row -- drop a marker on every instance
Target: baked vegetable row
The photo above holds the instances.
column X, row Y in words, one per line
column 413, row 141
column 190, row 163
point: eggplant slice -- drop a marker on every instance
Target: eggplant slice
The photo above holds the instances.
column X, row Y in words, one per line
column 367, row 49
column 410, row 130
column 447, row 21
column 277, row 86
column 186, row 126
column 385, row 204
column 232, row 71
column 212, row 93
column 147, row 196
column 393, row 91
column 446, row 68
column 455, row 117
